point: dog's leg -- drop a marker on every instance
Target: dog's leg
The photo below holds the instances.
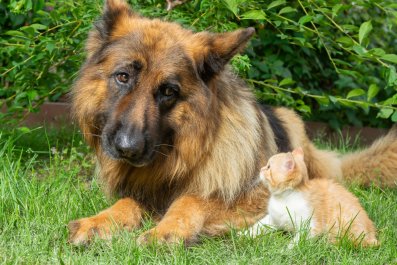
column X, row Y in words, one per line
column 124, row 214
column 190, row 216
column 182, row 222
column 244, row 213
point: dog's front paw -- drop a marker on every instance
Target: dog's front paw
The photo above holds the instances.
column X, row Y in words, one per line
column 159, row 237
column 82, row 231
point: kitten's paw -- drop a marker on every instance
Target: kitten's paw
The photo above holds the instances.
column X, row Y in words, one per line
column 295, row 241
column 251, row 232
column 292, row 245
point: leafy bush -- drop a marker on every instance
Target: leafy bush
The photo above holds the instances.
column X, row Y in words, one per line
column 42, row 44
column 332, row 61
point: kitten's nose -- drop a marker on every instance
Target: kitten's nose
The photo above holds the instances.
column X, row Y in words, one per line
column 262, row 173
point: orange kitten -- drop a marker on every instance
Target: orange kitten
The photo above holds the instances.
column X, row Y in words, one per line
column 322, row 204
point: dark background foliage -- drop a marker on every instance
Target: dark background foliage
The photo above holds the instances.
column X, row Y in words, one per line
column 332, row 61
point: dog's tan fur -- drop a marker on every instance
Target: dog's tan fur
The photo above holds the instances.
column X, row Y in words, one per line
column 206, row 182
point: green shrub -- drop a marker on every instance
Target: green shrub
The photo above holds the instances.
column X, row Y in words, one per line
column 42, row 49
column 332, row 61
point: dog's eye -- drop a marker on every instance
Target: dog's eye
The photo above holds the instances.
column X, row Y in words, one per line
column 122, row 78
column 169, row 90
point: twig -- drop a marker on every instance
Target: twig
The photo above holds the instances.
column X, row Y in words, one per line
column 321, row 39
column 340, row 29
column 357, row 102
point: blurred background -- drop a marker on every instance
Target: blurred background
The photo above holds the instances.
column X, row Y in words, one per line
column 332, row 61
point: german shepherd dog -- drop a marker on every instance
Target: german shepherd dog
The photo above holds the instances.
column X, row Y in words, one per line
column 179, row 135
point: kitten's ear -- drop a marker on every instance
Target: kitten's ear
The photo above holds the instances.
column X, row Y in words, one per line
column 298, row 153
column 289, row 164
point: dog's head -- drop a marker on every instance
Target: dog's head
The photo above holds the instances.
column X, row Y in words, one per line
column 146, row 82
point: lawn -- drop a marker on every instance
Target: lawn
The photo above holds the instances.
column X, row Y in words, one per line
column 47, row 179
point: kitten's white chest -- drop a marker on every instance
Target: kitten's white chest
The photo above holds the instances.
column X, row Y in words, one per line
column 289, row 210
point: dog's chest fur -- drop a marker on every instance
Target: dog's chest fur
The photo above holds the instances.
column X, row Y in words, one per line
column 289, row 210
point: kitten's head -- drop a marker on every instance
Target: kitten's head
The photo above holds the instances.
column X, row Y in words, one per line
column 284, row 171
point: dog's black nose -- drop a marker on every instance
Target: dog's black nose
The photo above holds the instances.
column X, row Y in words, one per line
column 129, row 145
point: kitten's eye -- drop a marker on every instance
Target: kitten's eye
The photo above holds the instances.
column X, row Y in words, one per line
column 122, row 78
column 267, row 167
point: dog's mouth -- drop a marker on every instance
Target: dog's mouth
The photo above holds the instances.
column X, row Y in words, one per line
column 143, row 161
column 136, row 163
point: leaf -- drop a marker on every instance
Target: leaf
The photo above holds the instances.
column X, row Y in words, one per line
column 341, row 62
column 365, row 107
column 324, row 101
column 390, row 101
column 348, row 42
column 50, row 46
column 254, row 14
column 305, row 19
column 286, row 81
column 282, row 36
column 394, row 117
column 271, row 81
column 277, row 23
column 391, row 76
column 232, row 5
column 42, row 13
column 385, row 113
column 349, row 72
column 333, row 99
column 300, row 41
column 348, row 28
column 360, row 50
column 355, row 93
column 348, row 104
column 275, row 3
column 24, row 129
column 377, row 52
column 29, row 30
column 32, row 94
column 287, row 9
column 15, row 33
column 365, row 29
column 335, row 9
column 390, row 58
column 28, row 5
column 373, row 90
column 38, row 26
column 304, row 108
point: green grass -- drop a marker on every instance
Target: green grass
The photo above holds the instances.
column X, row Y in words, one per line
column 46, row 180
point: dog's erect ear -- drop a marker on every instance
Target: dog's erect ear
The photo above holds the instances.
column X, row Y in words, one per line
column 114, row 12
column 115, row 5
column 212, row 51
